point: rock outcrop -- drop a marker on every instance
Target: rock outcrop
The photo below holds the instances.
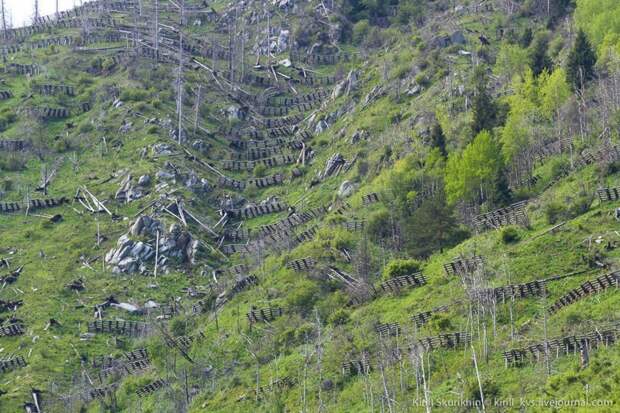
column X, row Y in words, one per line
column 135, row 251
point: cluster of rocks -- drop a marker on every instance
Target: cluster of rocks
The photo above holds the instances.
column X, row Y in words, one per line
column 201, row 146
column 333, row 165
column 162, row 149
column 190, row 179
column 235, row 113
column 125, row 128
column 130, row 191
column 135, row 251
column 348, row 85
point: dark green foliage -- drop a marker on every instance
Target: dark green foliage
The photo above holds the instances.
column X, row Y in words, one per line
column 581, row 61
column 7, row 184
column 12, row 162
column 510, row 235
column 360, row 31
column 339, row 317
column 539, row 59
column 134, row 95
column 432, row 227
column 483, row 107
column 260, row 170
column 85, row 127
column 397, row 268
column 362, row 168
column 554, row 212
column 7, row 116
column 526, row 37
column 438, row 139
column 410, row 12
column 178, row 327
column 571, row 208
column 379, row 225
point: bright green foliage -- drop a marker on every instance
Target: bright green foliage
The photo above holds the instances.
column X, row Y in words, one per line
column 397, row 268
column 532, row 98
column 598, row 18
column 474, row 174
column 522, row 115
column 581, row 61
column 511, row 61
column 554, row 91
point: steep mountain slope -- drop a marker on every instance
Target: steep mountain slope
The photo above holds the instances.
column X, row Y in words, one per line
column 309, row 206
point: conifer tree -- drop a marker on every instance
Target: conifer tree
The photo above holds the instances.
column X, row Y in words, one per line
column 581, row 61
column 483, row 106
column 539, row 59
column 438, row 139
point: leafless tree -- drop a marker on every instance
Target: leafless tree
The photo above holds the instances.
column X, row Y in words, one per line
column 3, row 17
column 36, row 10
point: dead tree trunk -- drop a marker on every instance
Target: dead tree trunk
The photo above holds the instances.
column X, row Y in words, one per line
column 3, row 16
column 156, row 34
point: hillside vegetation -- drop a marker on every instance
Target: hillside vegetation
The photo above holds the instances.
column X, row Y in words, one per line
column 327, row 206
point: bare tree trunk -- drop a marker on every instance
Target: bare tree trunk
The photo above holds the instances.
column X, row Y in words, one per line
column 198, row 98
column 473, row 352
column 156, row 34
column 180, row 82
column 3, row 16
column 36, row 10
column 319, row 358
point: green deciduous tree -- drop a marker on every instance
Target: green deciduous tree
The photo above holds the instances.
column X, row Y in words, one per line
column 598, row 18
column 554, row 92
column 511, row 60
column 474, row 175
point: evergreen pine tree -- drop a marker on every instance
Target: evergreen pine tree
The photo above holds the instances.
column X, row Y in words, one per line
column 438, row 139
column 539, row 59
column 484, row 117
column 581, row 61
column 526, row 37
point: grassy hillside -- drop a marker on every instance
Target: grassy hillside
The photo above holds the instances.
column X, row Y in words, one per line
column 378, row 133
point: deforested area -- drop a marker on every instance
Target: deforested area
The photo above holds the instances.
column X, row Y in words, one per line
column 310, row 206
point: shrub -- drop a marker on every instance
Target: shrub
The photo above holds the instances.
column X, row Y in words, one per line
column 260, row 170
column 397, row 268
column 303, row 297
column 510, row 235
column 580, row 205
column 303, row 332
column 558, row 167
column 379, row 224
column 7, row 184
column 85, row 127
column 554, row 212
column 61, row 145
column 339, row 317
column 441, row 322
column 134, row 95
column 360, row 31
column 362, row 168
column 177, row 327
column 12, row 163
